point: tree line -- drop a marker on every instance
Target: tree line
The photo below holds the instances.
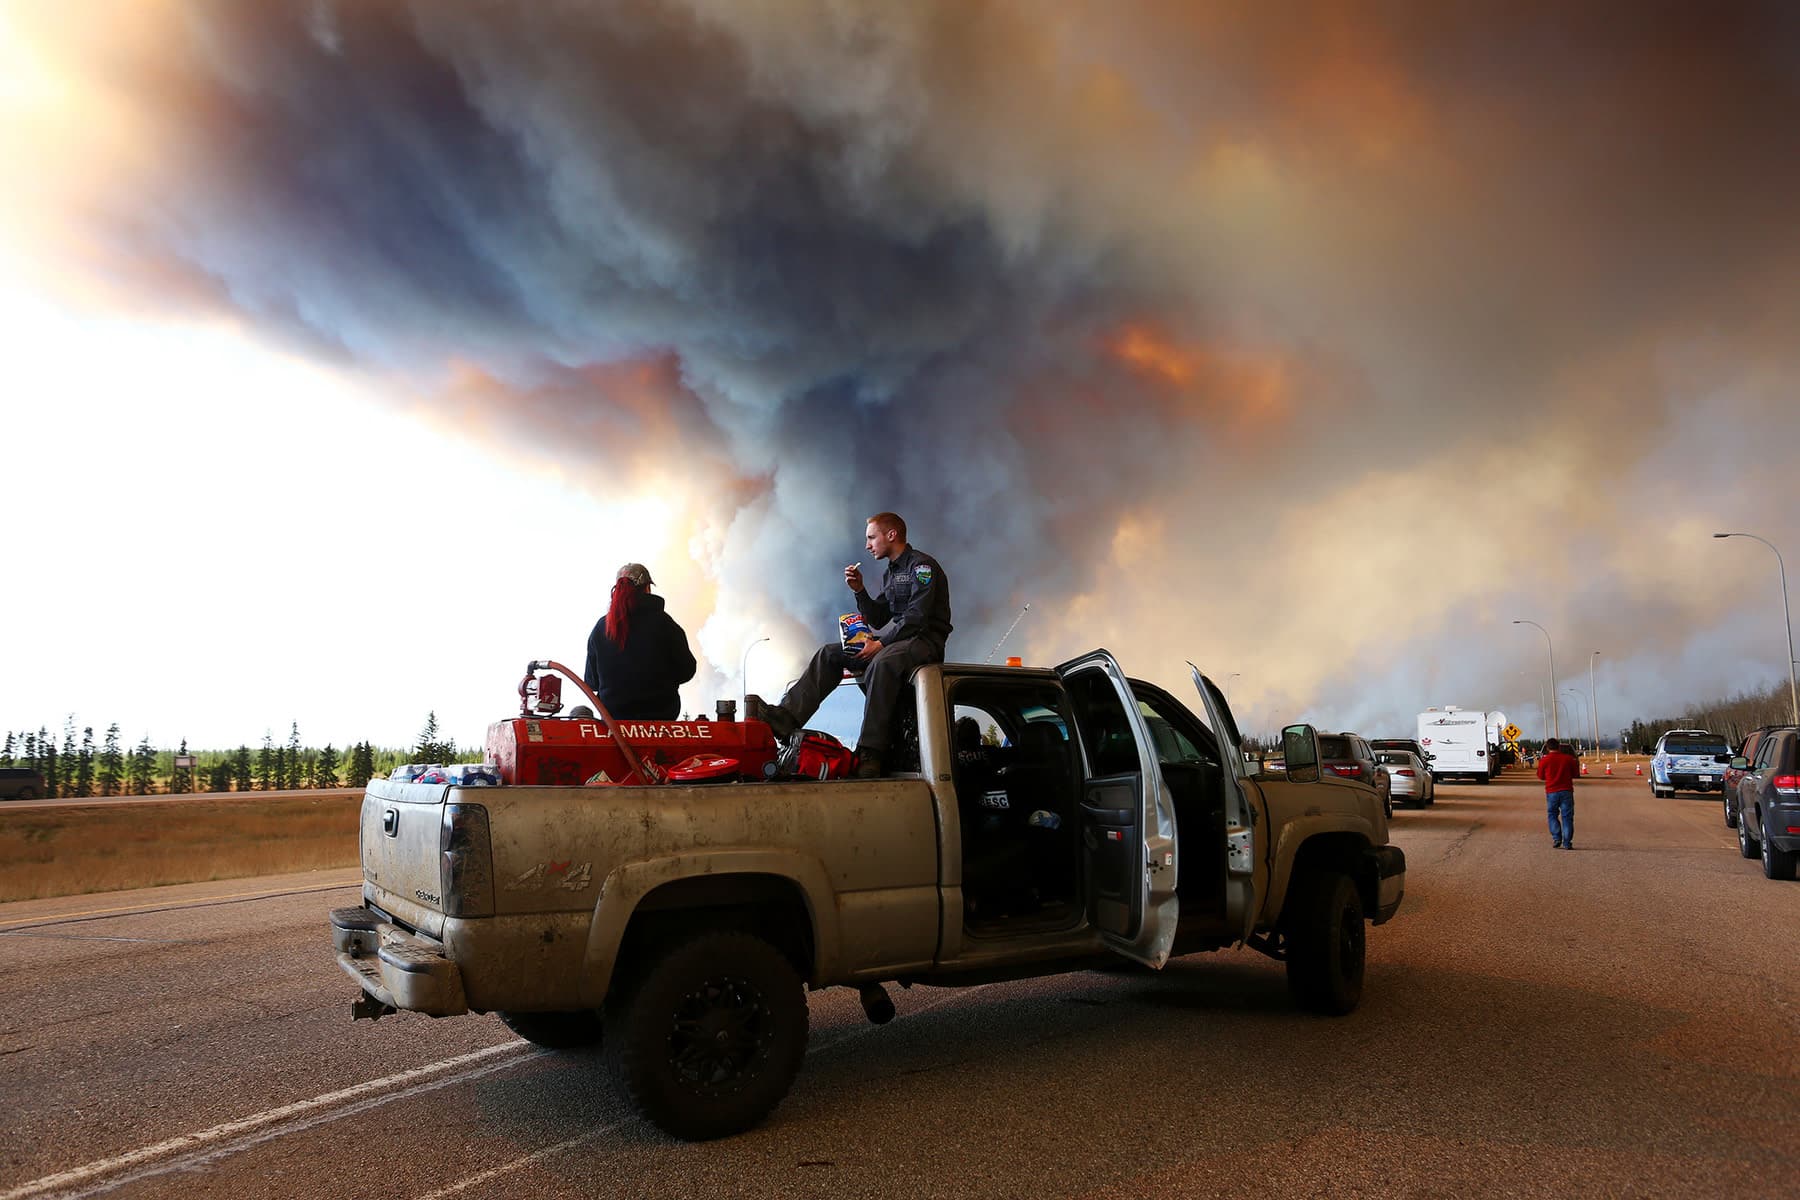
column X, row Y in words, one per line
column 79, row 766
column 1733, row 717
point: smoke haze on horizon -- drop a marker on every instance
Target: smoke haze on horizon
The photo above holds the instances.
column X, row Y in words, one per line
column 1183, row 323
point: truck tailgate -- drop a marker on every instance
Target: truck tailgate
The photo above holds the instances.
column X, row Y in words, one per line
column 401, row 826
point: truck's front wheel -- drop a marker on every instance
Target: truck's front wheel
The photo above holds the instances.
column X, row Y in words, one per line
column 1325, row 943
column 556, row 1030
column 708, row 1039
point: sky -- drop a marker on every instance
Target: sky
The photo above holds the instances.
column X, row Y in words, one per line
column 353, row 347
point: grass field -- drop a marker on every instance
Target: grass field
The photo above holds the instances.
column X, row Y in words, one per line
column 108, row 847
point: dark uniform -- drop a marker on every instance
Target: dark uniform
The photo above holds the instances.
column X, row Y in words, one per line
column 910, row 617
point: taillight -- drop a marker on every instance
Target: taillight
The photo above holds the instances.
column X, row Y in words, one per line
column 466, row 861
column 1406, row 771
column 1789, row 784
column 1351, row 771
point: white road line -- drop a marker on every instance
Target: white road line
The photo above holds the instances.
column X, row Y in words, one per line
column 519, row 1164
column 196, row 1141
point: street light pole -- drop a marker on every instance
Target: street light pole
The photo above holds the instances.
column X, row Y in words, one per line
column 1554, row 720
column 744, row 669
column 1575, row 713
column 1786, row 620
column 1593, row 701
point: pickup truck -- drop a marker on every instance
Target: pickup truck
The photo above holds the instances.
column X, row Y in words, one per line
column 1055, row 820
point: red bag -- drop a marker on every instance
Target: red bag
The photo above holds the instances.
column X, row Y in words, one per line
column 821, row 756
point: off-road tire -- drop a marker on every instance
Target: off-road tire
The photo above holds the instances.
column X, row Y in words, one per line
column 556, row 1030
column 29, row 793
column 1746, row 844
column 707, row 1036
column 1776, row 862
column 1326, row 943
column 1731, row 818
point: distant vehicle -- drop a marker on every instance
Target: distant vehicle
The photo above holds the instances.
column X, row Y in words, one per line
column 1408, row 778
column 1769, row 804
column 1457, row 740
column 1733, row 773
column 1350, row 757
column 21, row 783
column 1411, row 745
column 1689, row 760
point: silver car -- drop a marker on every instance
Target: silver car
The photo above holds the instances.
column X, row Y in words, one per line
column 1409, row 781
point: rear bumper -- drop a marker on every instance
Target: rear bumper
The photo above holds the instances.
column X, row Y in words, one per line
column 398, row 968
column 1683, row 781
column 1388, row 866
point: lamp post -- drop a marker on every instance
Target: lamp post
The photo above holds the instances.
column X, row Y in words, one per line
column 1593, row 701
column 1786, row 620
column 744, row 669
column 1556, row 731
column 1575, row 712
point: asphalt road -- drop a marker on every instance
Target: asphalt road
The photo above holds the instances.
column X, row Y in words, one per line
column 1622, row 1020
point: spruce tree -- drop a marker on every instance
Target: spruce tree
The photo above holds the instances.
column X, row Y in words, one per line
column 433, row 747
column 181, row 779
column 296, row 769
column 362, row 765
column 47, row 762
column 84, row 764
column 6, row 752
column 325, row 770
column 265, row 763
column 143, row 769
column 31, row 751
column 240, row 769
column 112, row 762
column 218, row 776
column 281, row 769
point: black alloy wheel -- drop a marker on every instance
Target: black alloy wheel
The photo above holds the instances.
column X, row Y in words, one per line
column 1326, row 943
column 1776, row 862
column 708, row 1039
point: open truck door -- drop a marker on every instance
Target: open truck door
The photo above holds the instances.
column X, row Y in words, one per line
column 1240, row 814
column 1127, row 814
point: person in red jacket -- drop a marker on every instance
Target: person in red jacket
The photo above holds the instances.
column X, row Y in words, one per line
column 1558, row 768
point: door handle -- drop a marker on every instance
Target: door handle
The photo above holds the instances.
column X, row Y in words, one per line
column 390, row 822
column 1110, row 816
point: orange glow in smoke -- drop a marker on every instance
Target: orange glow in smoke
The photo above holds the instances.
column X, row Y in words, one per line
column 1246, row 388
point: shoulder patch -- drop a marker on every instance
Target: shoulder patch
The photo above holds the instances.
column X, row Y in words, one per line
column 922, row 575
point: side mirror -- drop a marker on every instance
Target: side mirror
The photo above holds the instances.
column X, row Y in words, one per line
column 1740, row 763
column 1300, row 752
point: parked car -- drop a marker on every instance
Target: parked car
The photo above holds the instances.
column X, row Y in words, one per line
column 21, row 783
column 1350, row 757
column 1408, row 744
column 1409, row 779
column 1689, row 760
column 1733, row 773
column 1769, row 804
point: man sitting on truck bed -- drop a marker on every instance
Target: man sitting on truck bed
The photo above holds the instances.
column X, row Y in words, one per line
column 909, row 623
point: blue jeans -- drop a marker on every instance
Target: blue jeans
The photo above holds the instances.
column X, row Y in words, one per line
column 1560, row 807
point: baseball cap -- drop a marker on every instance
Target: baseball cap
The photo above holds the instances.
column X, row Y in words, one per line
column 637, row 573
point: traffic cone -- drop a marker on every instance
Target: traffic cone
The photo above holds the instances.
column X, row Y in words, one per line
column 1584, row 768
column 1609, row 768
column 1637, row 769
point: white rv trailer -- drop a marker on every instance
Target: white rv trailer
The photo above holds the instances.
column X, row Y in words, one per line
column 1457, row 739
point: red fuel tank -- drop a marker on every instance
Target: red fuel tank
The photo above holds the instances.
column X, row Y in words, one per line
column 568, row 751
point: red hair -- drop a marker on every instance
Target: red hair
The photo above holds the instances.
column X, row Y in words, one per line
column 618, row 615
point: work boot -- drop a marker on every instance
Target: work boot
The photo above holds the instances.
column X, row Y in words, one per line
column 777, row 718
column 868, row 765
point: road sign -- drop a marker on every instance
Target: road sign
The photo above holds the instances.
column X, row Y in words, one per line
column 1511, row 733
